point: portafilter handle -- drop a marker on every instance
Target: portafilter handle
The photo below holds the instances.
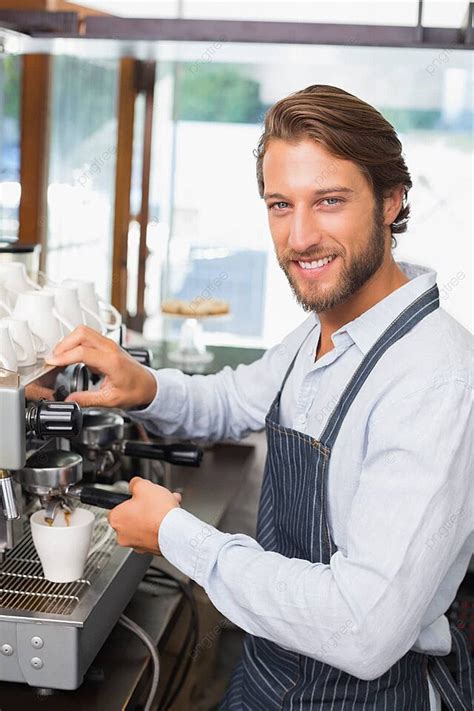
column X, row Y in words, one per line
column 96, row 496
column 186, row 455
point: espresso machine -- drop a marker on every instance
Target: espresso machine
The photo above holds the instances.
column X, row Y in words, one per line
column 52, row 456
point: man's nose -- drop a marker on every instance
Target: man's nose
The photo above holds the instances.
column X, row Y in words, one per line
column 304, row 232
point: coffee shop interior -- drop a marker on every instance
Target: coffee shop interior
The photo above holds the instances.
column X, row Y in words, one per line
column 129, row 203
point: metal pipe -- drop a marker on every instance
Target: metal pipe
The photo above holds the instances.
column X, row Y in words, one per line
column 10, row 509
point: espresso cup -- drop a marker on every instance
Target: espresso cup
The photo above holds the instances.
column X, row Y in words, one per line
column 9, row 349
column 63, row 547
column 67, row 305
column 5, row 302
column 38, row 308
column 14, row 278
column 93, row 306
column 28, row 346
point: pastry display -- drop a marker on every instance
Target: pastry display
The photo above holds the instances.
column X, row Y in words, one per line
column 196, row 308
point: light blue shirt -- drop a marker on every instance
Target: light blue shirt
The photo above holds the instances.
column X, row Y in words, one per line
column 400, row 490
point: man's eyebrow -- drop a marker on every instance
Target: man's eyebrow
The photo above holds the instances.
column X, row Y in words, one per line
column 323, row 191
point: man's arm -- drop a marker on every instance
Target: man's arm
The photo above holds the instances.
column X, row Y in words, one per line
column 227, row 405
column 411, row 518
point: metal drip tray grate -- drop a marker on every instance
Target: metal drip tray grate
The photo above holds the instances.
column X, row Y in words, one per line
column 23, row 586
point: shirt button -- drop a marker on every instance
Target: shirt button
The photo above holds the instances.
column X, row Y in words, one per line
column 302, row 419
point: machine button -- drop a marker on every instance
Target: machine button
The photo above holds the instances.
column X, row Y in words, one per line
column 37, row 642
column 7, row 650
column 36, row 663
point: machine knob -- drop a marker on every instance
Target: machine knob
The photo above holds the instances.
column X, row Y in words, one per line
column 54, row 419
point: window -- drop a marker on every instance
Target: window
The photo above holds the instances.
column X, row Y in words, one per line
column 10, row 190
column 205, row 189
column 81, row 183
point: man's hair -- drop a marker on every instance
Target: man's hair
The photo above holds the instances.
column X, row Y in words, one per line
column 347, row 127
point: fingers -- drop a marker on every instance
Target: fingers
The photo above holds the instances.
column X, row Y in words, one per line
column 92, row 398
column 79, row 354
column 133, row 482
column 83, row 335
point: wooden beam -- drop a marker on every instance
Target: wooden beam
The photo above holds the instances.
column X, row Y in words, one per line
column 34, row 148
column 50, row 6
column 82, row 10
column 26, row 4
column 148, row 76
column 71, row 24
column 221, row 31
column 123, row 182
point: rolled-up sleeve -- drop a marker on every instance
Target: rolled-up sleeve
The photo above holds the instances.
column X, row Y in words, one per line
column 412, row 515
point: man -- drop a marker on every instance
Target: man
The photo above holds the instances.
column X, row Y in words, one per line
column 365, row 526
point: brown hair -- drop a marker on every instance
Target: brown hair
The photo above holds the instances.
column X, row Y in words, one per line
column 347, row 127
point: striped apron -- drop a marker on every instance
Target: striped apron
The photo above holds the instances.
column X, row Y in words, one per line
column 293, row 521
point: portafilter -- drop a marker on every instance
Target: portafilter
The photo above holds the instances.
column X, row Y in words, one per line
column 103, row 431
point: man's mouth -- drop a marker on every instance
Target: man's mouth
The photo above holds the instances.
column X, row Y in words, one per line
column 309, row 269
column 318, row 263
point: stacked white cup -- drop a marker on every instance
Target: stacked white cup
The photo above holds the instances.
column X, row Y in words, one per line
column 33, row 318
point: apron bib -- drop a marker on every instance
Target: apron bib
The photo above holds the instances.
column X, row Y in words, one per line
column 293, row 521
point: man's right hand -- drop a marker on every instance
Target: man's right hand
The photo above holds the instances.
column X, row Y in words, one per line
column 126, row 383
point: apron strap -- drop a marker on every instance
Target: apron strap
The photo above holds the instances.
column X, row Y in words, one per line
column 405, row 321
column 457, row 695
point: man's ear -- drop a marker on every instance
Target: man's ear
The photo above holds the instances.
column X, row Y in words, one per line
column 392, row 204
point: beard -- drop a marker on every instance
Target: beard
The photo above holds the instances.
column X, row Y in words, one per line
column 352, row 277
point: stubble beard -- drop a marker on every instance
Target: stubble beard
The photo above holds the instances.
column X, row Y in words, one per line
column 351, row 277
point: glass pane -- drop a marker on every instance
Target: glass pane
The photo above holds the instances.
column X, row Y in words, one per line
column 10, row 190
column 133, row 243
column 373, row 12
column 442, row 13
column 389, row 12
column 81, row 183
column 219, row 243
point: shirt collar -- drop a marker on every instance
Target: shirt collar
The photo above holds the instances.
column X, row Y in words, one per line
column 366, row 328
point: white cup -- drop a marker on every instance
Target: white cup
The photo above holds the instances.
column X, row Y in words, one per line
column 66, row 302
column 29, row 346
column 38, row 308
column 63, row 549
column 93, row 305
column 5, row 302
column 10, row 350
column 14, row 278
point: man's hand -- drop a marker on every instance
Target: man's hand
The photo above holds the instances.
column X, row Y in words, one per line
column 137, row 521
column 126, row 384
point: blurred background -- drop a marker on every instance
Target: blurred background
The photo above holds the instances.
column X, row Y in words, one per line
column 131, row 161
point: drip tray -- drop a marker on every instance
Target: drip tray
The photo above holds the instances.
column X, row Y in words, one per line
column 23, row 586
column 51, row 632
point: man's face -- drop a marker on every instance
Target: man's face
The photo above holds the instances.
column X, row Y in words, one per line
column 321, row 207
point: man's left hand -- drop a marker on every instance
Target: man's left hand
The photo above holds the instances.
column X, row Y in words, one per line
column 137, row 521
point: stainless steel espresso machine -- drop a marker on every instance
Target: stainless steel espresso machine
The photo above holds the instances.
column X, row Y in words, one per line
column 52, row 455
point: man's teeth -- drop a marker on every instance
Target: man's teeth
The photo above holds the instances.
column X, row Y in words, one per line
column 318, row 263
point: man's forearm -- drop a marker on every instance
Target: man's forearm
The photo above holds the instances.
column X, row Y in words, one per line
column 198, row 407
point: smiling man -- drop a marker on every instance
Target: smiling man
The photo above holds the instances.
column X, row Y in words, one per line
column 367, row 407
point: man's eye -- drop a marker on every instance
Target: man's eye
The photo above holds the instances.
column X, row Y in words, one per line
column 279, row 205
column 338, row 200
